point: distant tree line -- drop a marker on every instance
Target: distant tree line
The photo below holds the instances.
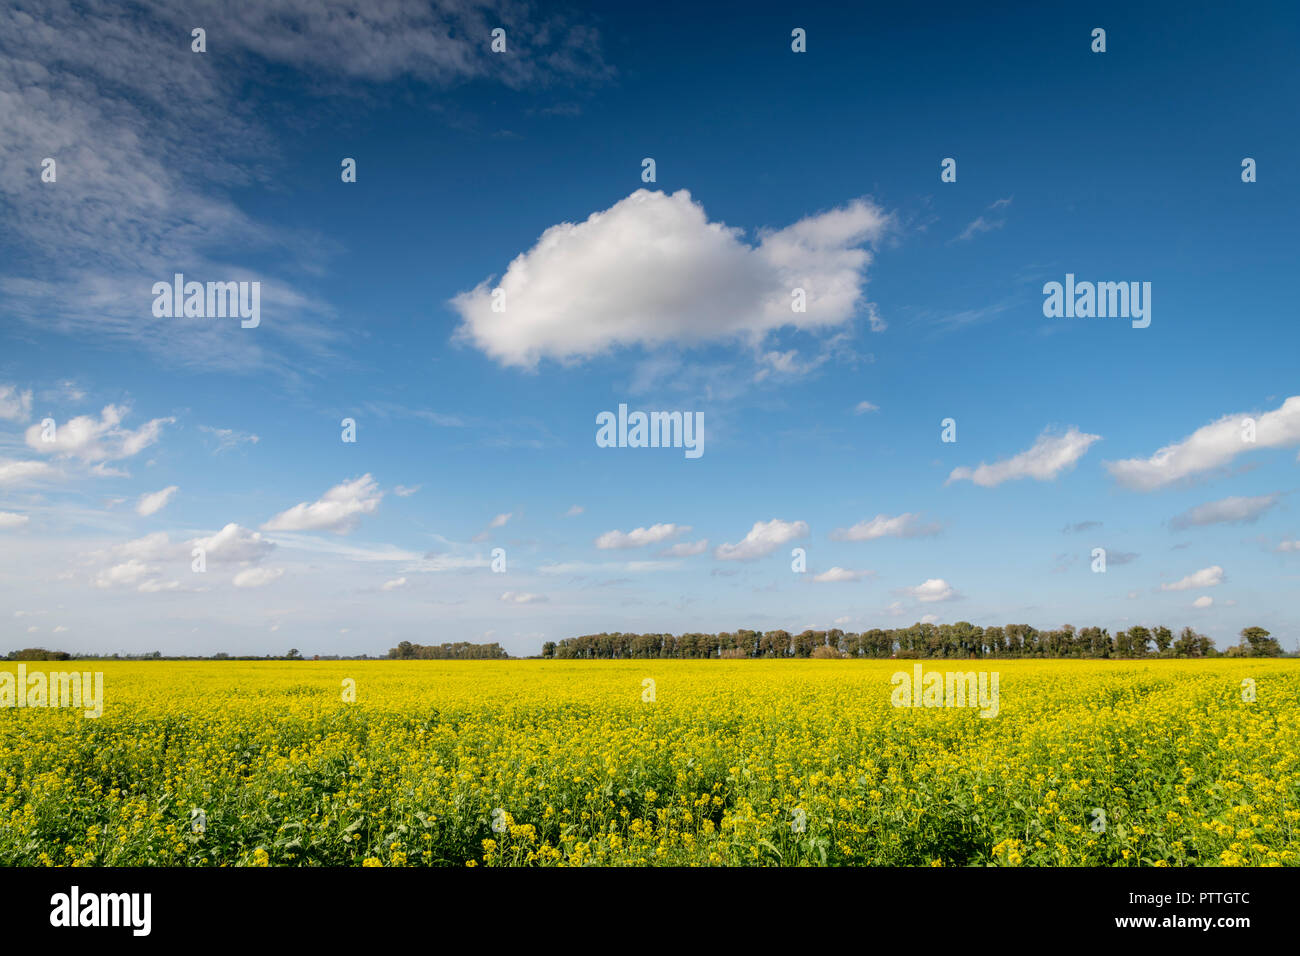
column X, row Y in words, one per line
column 41, row 654
column 960, row 640
column 37, row 654
column 459, row 651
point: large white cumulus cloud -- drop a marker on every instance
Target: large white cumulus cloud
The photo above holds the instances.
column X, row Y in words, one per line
column 653, row 270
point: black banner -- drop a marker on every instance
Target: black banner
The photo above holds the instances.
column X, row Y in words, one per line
column 144, row 906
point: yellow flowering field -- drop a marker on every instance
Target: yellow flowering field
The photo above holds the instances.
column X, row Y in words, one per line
column 487, row 763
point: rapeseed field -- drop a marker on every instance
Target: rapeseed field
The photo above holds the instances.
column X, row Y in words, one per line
column 645, row 762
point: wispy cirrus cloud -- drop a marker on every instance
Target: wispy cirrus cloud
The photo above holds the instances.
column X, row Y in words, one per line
column 228, row 439
column 686, row 549
column 1049, row 456
column 15, row 405
column 18, row 472
column 156, row 501
column 837, row 575
column 1235, row 509
column 148, row 159
column 522, row 597
column 1080, row 526
column 499, row 521
column 640, row 537
column 906, row 525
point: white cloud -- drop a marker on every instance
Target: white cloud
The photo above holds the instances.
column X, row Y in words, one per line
column 97, row 440
column 764, row 538
column 933, row 589
column 1205, row 578
column 1049, row 456
column 338, row 510
column 838, row 574
column 393, row 585
column 929, row 618
column 906, row 525
column 256, row 577
column 1287, row 546
column 652, row 270
column 686, row 549
column 13, row 472
column 522, row 597
column 402, row 491
column 864, row 407
column 574, row 511
column 9, row 519
column 155, row 501
column 233, row 543
column 1203, row 601
column 152, row 547
column 154, row 585
column 126, row 573
column 1211, row 446
column 130, row 564
column 15, row 406
column 639, row 537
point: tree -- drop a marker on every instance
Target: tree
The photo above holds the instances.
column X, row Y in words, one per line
column 1256, row 642
column 1191, row 644
column 38, row 654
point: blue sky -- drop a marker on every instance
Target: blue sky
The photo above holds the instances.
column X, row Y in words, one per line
column 476, row 429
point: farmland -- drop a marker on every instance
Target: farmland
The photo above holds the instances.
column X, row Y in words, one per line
column 649, row 762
